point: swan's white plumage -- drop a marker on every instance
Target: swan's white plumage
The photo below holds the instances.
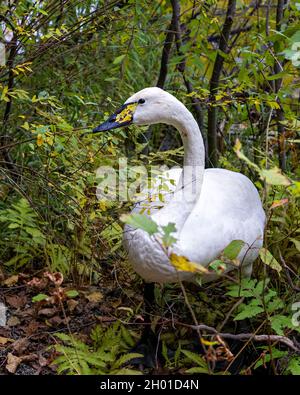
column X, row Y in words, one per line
column 217, row 218
column 226, row 206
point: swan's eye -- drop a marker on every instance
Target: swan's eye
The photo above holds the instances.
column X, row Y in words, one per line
column 141, row 101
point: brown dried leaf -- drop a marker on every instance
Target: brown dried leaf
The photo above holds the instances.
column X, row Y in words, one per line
column 57, row 278
column 94, row 297
column 58, row 295
column 72, row 304
column 31, row 328
column 106, row 309
column 30, row 312
column 2, row 277
column 29, row 357
column 12, row 280
column 12, row 363
column 13, row 321
column 116, row 303
column 16, row 301
column 4, row 340
column 56, row 320
column 278, row 203
column 20, row 345
column 39, row 283
column 43, row 361
column 48, row 312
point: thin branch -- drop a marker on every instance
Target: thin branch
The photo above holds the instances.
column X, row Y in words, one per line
column 287, row 272
column 214, row 83
column 278, row 82
column 247, row 336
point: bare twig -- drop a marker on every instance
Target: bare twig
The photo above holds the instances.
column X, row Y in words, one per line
column 287, row 272
column 230, row 312
column 247, row 336
column 214, row 83
column 278, row 82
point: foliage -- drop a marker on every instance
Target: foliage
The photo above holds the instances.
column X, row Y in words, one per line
column 70, row 64
column 106, row 354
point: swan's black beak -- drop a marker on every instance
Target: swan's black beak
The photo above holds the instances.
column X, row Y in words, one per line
column 122, row 117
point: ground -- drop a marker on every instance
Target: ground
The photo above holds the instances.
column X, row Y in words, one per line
column 42, row 304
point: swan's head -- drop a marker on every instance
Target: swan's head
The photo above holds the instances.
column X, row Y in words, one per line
column 146, row 107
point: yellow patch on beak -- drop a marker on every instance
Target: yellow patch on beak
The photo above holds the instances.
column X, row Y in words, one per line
column 127, row 114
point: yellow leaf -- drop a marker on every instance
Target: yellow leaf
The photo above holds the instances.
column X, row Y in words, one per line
column 25, row 126
column 269, row 260
column 238, row 145
column 182, row 263
column 49, row 140
column 4, row 94
column 273, row 104
column 102, row 205
column 208, row 343
column 39, row 140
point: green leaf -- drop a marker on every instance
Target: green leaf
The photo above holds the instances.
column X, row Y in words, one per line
column 276, row 76
column 297, row 243
column 267, row 358
column 195, row 358
column 119, row 59
column 196, row 370
column 248, row 312
column 279, row 323
column 34, row 232
column 40, row 297
column 294, row 366
column 269, row 260
column 140, row 221
column 167, row 238
column 13, row 225
column 125, row 371
column 125, row 358
column 233, row 249
column 275, row 177
column 274, row 305
column 245, row 289
column 72, row 293
column 296, row 36
column 218, row 266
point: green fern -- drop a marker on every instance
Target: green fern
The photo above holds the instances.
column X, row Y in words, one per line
column 106, row 355
column 201, row 365
column 22, row 238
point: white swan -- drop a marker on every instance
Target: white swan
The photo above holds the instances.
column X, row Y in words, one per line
column 210, row 208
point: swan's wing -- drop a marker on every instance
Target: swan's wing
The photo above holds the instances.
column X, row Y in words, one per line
column 229, row 208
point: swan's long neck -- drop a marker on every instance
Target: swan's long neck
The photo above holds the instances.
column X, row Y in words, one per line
column 189, row 186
